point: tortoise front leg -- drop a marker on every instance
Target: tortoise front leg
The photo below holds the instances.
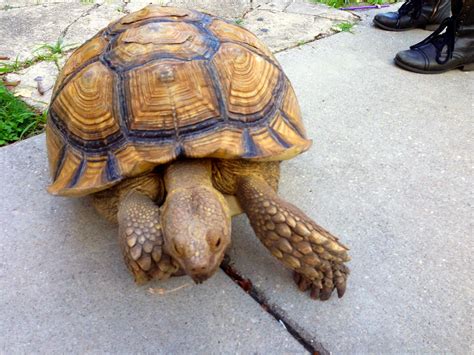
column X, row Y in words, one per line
column 141, row 238
column 315, row 255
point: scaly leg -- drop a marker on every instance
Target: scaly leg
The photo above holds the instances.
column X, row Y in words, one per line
column 141, row 238
column 313, row 253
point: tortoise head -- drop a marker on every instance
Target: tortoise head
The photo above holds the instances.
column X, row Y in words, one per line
column 196, row 228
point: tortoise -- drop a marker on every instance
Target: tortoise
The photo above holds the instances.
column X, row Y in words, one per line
column 174, row 121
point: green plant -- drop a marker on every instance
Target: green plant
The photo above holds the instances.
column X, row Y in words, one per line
column 239, row 21
column 51, row 52
column 56, row 48
column 45, row 52
column 10, row 67
column 343, row 3
column 17, row 119
column 344, row 27
column 333, row 3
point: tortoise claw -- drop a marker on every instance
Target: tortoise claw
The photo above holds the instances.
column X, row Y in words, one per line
column 341, row 290
column 303, row 283
column 335, row 278
column 315, row 292
column 325, row 294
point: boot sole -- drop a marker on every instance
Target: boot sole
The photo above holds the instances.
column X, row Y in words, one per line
column 430, row 27
column 463, row 67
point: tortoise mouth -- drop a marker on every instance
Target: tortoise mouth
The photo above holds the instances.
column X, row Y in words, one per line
column 200, row 278
column 200, row 273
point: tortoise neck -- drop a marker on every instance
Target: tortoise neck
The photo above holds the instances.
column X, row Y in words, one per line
column 186, row 174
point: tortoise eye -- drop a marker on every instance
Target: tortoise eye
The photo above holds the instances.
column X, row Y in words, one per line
column 214, row 239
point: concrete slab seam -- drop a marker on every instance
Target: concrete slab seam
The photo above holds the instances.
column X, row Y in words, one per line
column 84, row 14
column 297, row 332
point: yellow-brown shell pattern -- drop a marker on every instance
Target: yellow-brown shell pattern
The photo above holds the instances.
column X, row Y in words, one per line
column 162, row 84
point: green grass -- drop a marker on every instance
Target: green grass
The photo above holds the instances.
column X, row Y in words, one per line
column 344, row 3
column 17, row 119
column 10, row 67
column 44, row 53
column 344, row 27
column 239, row 21
column 51, row 52
column 56, row 48
column 333, row 3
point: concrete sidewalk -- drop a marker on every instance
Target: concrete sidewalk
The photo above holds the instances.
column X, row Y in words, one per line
column 390, row 173
column 64, row 287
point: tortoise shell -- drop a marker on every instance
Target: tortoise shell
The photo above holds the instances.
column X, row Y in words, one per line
column 163, row 84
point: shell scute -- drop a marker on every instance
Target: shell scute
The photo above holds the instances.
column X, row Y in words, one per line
column 84, row 54
column 151, row 13
column 228, row 32
column 291, row 109
column 86, row 104
column 247, row 94
column 158, row 40
column 170, row 96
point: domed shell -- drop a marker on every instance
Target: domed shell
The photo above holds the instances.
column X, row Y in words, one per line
column 162, row 84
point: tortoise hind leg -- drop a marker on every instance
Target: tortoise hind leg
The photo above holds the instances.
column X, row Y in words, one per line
column 141, row 238
column 316, row 256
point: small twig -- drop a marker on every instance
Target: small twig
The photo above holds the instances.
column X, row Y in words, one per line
column 162, row 291
column 40, row 85
column 366, row 7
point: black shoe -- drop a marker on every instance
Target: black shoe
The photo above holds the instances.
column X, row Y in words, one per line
column 414, row 14
column 441, row 52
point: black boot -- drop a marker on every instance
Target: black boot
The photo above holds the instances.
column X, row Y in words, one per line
column 414, row 14
column 443, row 51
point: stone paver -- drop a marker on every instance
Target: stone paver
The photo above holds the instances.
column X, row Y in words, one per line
column 65, row 289
column 288, row 23
column 303, row 7
column 27, row 88
column 273, row 5
column 281, row 30
column 91, row 22
column 230, row 9
column 25, row 29
column 390, row 173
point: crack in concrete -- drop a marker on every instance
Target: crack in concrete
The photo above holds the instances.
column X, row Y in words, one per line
column 298, row 333
column 125, row 4
column 314, row 39
column 14, row 7
column 287, row 5
column 84, row 14
column 244, row 15
column 328, row 17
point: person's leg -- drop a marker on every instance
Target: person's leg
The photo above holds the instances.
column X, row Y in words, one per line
column 414, row 14
column 450, row 46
